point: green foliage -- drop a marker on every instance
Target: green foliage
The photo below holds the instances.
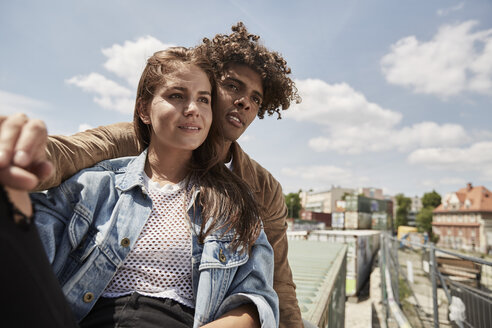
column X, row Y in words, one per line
column 431, row 199
column 345, row 194
column 403, row 289
column 402, row 208
column 293, row 202
column 424, row 220
column 401, row 217
column 403, row 202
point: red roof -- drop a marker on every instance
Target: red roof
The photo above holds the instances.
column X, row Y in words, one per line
column 471, row 199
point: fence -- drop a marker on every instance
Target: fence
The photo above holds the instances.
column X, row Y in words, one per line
column 425, row 286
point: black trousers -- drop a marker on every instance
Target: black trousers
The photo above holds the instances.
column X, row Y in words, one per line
column 137, row 311
column 31, row 294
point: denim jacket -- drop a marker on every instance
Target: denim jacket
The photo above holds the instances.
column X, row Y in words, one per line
column 89, row 224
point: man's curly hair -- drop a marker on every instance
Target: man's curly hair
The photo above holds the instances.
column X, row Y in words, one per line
column 244, row 48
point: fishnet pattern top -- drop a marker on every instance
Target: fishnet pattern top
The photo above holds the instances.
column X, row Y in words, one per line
column 159, row 265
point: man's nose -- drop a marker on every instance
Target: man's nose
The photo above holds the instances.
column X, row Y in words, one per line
column 242, row 103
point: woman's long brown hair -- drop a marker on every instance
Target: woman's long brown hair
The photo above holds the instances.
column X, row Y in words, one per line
column 225, row 198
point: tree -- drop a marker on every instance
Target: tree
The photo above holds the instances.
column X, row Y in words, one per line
column 293, row 202
column 402, row 208
column 431, row 199
column 345, row 194
column 424, row 219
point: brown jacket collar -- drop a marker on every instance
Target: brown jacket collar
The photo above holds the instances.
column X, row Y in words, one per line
column 242, row 165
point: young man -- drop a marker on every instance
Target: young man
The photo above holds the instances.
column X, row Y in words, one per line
column 252, row 81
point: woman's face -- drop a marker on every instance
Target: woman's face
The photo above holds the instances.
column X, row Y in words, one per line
column 180, row 113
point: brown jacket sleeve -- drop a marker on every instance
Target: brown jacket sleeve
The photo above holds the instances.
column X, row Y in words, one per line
column 268, row 193
column 275, row 224
column 71, row 154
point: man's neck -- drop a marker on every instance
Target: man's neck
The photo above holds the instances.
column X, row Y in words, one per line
column 226, row 152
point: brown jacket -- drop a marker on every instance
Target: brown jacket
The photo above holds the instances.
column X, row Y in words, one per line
column 74, row 153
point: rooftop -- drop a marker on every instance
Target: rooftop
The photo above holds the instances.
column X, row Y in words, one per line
column 468, row 199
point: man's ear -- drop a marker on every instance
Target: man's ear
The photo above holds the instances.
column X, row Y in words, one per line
column 143, row 111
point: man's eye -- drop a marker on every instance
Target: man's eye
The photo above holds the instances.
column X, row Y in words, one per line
column 232, row 87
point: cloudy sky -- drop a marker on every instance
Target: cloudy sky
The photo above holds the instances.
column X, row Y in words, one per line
column 396, row 94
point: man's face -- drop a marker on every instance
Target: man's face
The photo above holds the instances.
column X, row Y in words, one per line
column 239, row 96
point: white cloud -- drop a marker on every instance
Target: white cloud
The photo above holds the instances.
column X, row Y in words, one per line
column 475, row 158
column 478, row 154
column 110, row 95
column 455, row 60
column 338, row 104
column 447, row 11
column 84, row 126
column 443, row 183
column 452, row 181
column 323, row 175
column 354, row 125
column 11, row 103
column 246, row 138
column 126, row 62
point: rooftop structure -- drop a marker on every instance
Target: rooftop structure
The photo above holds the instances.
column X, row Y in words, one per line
column 464, row 219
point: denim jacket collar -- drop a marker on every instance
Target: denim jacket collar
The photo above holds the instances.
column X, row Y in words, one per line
column 134, row 173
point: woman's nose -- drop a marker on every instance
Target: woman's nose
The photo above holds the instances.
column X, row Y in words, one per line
column 191, row 109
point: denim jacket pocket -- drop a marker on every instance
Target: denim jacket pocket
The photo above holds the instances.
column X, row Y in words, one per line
column 80, row 233
column 217, row 253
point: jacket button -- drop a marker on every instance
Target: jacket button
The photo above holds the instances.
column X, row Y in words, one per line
column 88, row 297
column 222, row 257
column 125, row 242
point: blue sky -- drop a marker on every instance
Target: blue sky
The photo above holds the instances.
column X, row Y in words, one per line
column 396, row 94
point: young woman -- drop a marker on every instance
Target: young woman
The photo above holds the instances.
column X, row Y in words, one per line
column 170, row 238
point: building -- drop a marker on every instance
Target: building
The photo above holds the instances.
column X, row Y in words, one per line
column 464, row 219
column 415, row 208
column 376, row 193
column 323, row 201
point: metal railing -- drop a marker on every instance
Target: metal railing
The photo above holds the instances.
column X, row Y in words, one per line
column 458, row 286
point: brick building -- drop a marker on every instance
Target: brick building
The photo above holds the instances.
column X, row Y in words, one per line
column 464, row 219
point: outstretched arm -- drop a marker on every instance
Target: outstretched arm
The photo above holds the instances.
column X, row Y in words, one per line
column 71, row 154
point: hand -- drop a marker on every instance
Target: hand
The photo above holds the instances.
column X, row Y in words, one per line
column 23, row 162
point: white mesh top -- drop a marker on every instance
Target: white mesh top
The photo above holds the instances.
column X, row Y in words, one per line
column 159, row 265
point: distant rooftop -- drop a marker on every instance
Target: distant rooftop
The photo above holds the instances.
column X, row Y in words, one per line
column 468, row 199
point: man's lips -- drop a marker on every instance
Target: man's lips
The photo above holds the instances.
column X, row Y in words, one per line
column 234, row 119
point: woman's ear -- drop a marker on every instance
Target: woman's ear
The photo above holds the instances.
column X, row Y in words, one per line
column 143, row 111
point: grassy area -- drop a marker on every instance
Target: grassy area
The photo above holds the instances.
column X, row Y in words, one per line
column 407, row 307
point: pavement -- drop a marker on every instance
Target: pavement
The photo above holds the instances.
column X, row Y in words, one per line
column 366, row 310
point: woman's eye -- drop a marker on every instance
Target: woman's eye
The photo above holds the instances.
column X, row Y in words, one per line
column 257, row 100
column 204, row 100
column 176, row 96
